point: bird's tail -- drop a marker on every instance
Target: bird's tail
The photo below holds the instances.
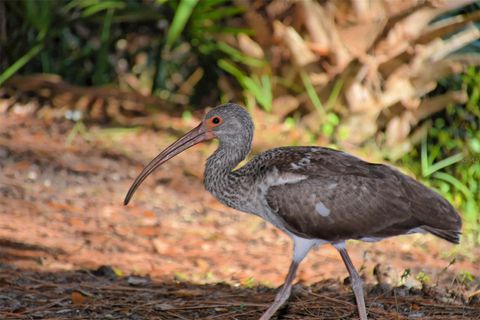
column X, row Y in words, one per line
column 435, row 213
column 452, row 236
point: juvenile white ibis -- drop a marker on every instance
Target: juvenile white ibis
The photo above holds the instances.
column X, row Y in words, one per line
column 316, row 195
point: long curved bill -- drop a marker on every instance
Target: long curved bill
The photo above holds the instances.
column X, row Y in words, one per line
column 193, row 137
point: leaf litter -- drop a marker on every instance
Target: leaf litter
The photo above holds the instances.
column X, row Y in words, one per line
column 70, row 249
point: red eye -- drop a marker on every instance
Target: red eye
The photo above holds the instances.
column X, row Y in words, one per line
column 215, row 121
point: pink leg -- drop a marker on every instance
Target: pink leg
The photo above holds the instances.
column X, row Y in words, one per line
column 357, row 283
column 283, row 294
column 301, row 247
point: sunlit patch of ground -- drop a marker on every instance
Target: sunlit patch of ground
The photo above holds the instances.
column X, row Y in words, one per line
column 61, row 210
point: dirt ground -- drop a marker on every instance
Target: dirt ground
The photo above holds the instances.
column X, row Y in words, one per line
column 69, row 249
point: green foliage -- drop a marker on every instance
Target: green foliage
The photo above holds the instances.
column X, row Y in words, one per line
column 197, row 25
column 331, row 122
column 248, row 282
column 428, row 167
column 11, row 70
column 405, row 275
column 450, row 155
column 328, row 120
column 182, row 14
column 465, row 278
column 99, row 76
column 78, row 129
column 260, row 88
column 72, row 38
column 91, row 42
column 312, row 93
column 37, row 18
column 423, row 278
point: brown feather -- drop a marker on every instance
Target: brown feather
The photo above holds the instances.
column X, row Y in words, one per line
column 364, row 199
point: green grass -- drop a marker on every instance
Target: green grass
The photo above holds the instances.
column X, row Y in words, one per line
column 449, row 157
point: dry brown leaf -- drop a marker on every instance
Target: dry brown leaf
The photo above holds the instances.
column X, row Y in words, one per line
column 283, row 105
column 79, row 298
column 202, row 264
column 147, row 231
column 160, row 246
column 188, row 85
column 359, row 127
column 255, row 21
column 358, row 38
column 164, row 306
column 339, row 55
column 360, row 98
column 300, row 51
column 395, row 8
column 426, row 55
column 65, row 207
column 443, row 27
column 403, row 32
column 148, row 214
column 249, row 46
column 400, row 149
column 189, row 292
column 398, row 129
column 277, row 7
column 435, row 104
column 315, row 27
column 137, row 281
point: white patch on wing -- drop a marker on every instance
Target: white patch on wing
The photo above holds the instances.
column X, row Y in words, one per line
column 322, row 210
column 258, row 204
column 416, row 230
column 274, row 178
column 295, row 166
column 305, row 161
column 375, row 239
column 289, row 178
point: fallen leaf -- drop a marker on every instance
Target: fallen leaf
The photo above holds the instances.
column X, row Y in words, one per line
column 160, row 246
column 136, row 281
column 163, row 306
column 78, row 298
column 147, row 231
column 189, row 292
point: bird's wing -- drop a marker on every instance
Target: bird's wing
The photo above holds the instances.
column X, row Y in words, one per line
column 322, row 162
column 327, row 194
column 341, row 207
column 340, row 197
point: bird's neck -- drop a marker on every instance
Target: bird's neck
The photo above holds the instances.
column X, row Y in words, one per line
column 222, row 162
column 220, row 179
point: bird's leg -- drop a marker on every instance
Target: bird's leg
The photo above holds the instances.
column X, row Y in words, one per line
column 300, row 249
column 283, row 294
column 357, row 283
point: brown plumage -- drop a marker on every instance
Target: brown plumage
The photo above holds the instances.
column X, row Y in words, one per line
column 365, row 200
column 316, row 195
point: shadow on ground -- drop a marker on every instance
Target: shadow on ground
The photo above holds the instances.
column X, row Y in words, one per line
column 101, row 294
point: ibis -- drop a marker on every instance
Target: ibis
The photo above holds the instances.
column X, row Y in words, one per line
column 315, row 195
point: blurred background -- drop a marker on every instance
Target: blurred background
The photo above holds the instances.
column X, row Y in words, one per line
column 393, row 81
column 398, row 80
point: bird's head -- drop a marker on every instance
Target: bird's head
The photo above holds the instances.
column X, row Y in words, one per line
column 230, row 123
